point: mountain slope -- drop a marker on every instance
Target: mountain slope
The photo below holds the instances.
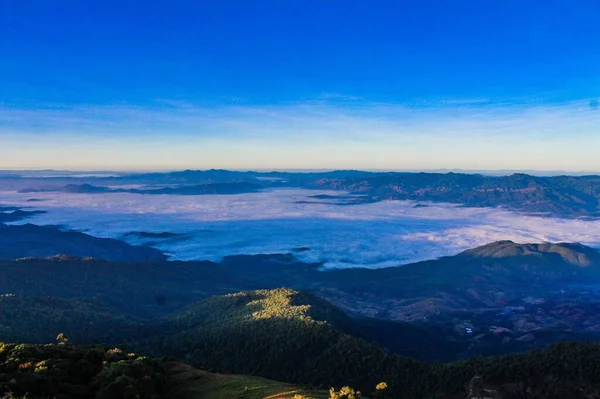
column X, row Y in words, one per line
column 279, row 334
column 29, row 240
column 290, row 336
column 496, row 274
column 30, row 319
column 9, row 215
column 570, row 253
column 499, row 298
column 91, row 372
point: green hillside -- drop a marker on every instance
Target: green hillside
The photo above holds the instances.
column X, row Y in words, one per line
column 280, row 334
column 537, row 294
column 290, row 336
column 257, row 338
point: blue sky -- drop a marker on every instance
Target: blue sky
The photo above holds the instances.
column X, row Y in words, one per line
column 420, row 84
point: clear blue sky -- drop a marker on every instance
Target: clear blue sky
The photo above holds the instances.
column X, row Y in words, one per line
column 417, row 84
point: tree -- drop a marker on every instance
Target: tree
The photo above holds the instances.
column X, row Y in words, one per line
column 344, row 393
column 380, row 390
column 62, row 339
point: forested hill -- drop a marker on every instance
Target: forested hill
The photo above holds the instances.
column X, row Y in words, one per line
column 284, row 335
column 499, row 298
column 292, row 336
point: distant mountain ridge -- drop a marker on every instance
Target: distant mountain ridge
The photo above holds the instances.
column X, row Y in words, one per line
column 567, row 196
column 559, row 196
column 199, row 189
column 564, row 196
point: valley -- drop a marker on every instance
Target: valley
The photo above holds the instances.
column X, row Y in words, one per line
column 305, row 313
column 500, row 298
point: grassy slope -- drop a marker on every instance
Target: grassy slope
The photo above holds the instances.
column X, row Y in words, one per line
column 191, row 383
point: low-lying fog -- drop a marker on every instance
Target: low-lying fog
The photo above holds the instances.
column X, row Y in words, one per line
column 371, row 235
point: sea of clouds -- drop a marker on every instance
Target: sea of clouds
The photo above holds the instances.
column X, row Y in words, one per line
column 373, row 235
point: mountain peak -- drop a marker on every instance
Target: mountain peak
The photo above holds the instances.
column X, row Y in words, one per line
column 572, row 253
column 280, row 303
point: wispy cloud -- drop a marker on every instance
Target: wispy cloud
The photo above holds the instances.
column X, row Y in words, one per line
column 461, row 133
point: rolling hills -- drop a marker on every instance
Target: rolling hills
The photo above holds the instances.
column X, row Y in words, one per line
column 289, row 334
column 499, row 298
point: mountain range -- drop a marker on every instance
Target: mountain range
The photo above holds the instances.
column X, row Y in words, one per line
column 561, row 196
column 330, row 327
column 199, row 189
column 490, row 321
column 503, row 297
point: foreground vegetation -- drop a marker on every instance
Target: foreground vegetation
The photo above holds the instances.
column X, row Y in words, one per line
column 279, row 335
column 64, row 371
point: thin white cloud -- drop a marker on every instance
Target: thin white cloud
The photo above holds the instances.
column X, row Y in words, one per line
column 467, row 135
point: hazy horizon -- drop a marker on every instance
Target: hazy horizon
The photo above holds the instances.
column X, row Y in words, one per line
column 499, row 172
